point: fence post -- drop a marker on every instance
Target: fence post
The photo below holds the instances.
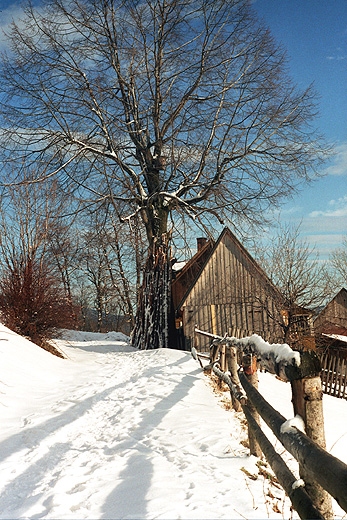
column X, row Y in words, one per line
column 249, row 365
column 232, row 367
column 307, row 401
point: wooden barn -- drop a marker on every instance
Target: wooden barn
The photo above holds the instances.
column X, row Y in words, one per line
column 223, row 290
column 334, row 314
column 330, row 325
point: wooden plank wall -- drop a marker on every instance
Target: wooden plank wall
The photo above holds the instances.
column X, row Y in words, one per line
column 335, row 312
column 230, row 294
column 334, row 375
column 218, row 320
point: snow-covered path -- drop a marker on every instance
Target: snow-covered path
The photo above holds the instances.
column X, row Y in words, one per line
column 112, row 432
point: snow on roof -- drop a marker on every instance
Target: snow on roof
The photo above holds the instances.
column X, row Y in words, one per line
column 336, row 336
column 177, row 266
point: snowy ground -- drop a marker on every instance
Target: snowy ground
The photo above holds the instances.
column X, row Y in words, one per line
column 113, row 433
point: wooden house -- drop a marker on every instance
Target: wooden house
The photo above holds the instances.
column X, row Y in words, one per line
column 223, row 290
column 330, row 325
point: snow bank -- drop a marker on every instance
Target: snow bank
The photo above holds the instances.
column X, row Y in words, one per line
column 82, row 336
column 112, row 432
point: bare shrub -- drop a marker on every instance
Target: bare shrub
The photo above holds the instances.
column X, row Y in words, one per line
column 32, row 301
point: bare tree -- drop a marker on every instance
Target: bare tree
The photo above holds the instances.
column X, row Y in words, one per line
column 124, row 252
column 295, row 269
column 95, row 269
column 63, row 247
column 33, row 301
column 181, row 107
column 110, row 258
column 338, row 261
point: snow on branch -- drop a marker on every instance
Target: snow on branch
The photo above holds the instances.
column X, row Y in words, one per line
column 235, row 389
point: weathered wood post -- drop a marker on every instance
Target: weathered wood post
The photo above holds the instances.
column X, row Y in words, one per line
column 223, row 357
column 232, row 367
column 307, row 401
column 214, row 350
column 249, row 365
column 222, row 361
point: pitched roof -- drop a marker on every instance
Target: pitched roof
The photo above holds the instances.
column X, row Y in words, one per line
column 187, row 277
column 339, row 298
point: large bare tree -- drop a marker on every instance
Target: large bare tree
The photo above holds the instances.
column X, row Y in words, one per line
column 338, row 261
column 164, row 107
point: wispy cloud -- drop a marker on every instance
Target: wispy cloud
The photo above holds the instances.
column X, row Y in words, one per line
column 337, row 208
column 339, row 55
column 337, row 58
column 338, row 164
column 12, row 13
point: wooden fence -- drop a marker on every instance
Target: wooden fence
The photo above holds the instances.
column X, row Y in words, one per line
column 324, row 475
column 334, row 375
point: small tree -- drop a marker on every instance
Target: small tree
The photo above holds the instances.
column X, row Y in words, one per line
column 338, row 262
column 110, row 261
column 32, row 297
column 295, row 269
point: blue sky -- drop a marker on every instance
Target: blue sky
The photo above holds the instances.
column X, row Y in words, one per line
column 314, row 33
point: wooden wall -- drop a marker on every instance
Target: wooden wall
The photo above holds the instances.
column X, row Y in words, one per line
column 232, row 294
column 334, row 313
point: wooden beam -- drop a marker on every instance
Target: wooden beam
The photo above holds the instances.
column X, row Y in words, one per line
column 327, row 470
column 302, row 503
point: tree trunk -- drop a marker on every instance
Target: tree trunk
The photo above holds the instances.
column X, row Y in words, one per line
column 152, row 324
column 99, row 313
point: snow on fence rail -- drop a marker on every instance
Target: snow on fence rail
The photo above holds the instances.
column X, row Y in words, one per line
column 323, row 474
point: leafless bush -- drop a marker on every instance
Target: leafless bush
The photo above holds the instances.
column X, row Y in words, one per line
column 32, row 301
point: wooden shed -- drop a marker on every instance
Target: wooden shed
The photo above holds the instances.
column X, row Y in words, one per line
column 223, row 290
column 334, row 314
column 330, row 326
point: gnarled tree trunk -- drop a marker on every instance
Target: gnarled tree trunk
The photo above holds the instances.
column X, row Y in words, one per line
column 152, row 323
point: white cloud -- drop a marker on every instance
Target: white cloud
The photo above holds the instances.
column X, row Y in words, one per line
column 338, row 56
column 324, row 239
column 340, row 212
column 338, row 208
column 10, row 13
column 338, row 165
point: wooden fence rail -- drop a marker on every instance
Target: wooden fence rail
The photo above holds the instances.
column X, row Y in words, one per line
column 324, row 474
column 334, row 375
column 328, row 471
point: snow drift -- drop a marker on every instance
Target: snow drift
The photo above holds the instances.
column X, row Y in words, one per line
column 111, row 432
